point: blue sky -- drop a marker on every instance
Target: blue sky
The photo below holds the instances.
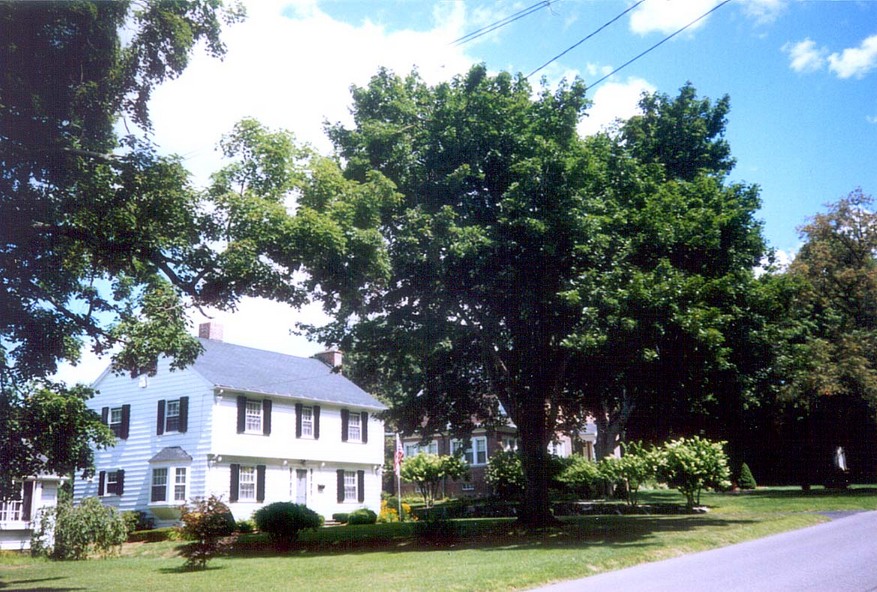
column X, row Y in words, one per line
column 802, row 77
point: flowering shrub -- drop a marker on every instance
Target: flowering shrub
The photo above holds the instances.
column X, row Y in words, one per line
column 692, row 464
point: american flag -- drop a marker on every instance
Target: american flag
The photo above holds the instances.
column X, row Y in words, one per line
column 399, row 457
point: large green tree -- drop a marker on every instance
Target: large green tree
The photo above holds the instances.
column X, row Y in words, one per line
column 523, row 266
column 100, row 235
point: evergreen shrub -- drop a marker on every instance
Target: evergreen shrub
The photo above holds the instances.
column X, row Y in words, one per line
column 283, row 521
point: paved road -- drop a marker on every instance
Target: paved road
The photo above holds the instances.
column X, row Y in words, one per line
column 838, row 556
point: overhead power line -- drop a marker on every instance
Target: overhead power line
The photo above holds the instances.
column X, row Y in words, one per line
column 661, row 42
column 502, row 22
column 583, row 39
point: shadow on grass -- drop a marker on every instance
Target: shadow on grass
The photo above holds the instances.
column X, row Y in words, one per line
column 490, row 535
column 182, row 569
column 14, row 585
column 797, row 492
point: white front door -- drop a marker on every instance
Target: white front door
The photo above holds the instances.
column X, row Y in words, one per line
column 301, row 486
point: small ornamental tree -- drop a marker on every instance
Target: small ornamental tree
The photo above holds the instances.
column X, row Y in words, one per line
column 635, row 467
column 505, row 475
column 283, row 521
column 692, row 464
column 206, row 522
column 428, row 471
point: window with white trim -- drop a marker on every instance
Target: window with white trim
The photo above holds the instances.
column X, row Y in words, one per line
column 415, row 449
column 116, row 421
column 254, row 417
column 180, row 484
column 475, row 453
column 159, row 485
column 247, row 484
column 354, row 427
column 467, row 486
column 510, row 444
column 169, row 484
column 307, row 422
column 172, row 416
column 350, row 486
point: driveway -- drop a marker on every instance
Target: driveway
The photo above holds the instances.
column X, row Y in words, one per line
column 838, row 556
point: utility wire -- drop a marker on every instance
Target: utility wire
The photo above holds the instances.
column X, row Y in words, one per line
column 661, row 42
column 582, row 40
column 502, row 22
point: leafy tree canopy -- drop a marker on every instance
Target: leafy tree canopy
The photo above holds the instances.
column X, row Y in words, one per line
column 100, row 235
column 522, row 266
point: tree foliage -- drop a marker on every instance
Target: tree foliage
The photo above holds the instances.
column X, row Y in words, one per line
column 523, row 266
column 429, row 471
column 205, row 522
column 692, row 465
column 634, row 468
column 100, row 234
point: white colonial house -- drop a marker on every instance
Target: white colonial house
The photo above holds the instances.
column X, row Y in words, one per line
column 17, row 517
column 251, row 426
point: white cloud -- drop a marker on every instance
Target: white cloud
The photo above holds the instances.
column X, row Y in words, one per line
column 871, row 118
column 805, row 56
column 668, row 16
column 764, row 11
column 614, row 101
column 855, row 61
column 294, row 72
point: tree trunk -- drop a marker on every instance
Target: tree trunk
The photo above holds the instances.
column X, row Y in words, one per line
column 611, row 424
column 535, row 508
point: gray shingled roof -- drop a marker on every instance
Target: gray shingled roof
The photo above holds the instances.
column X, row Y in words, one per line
column 249, row 370
column 171, row 453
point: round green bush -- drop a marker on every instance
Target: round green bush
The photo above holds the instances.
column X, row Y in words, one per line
column 362, row 516
column 283, row 521
column 340, row 517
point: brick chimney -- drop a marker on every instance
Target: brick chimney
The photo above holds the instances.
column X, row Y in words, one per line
column 211, row 330
column 332, row 358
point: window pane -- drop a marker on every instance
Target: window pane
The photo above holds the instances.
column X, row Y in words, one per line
column 116, row 421
column 180, row 485
column 353, row 431
column 247, row 487
column 307, row 421
column 159, row 485
column 254, row 416
column 350, row 486
column 480, row 451
column 172, row 416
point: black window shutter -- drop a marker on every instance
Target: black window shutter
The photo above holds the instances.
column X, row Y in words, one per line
column 266, row 417
column 105, row 416
column 316, row 416
column 242, row 414
column 363, row 426
column 360, row 486
column 298, row 408
column 27, row 500
column 340, row 485
column 260, row 483
column 345, row 428
column 235, row 482
column 120, row 482
column 126, row 420
column 101, row 482
column 184, row 414
column 159, row 420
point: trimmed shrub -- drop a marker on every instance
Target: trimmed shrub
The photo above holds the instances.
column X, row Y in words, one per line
column 206, row 522
column 746, row 480
column 362, row 516
column 505, row 475
column 136, row 520
column 246, row 526
column 341, row 517
column 68, row 532
column 581, row 476
column 436, row 531
column 283, row 521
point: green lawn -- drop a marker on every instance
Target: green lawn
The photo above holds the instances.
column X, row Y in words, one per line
column 489, row 554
